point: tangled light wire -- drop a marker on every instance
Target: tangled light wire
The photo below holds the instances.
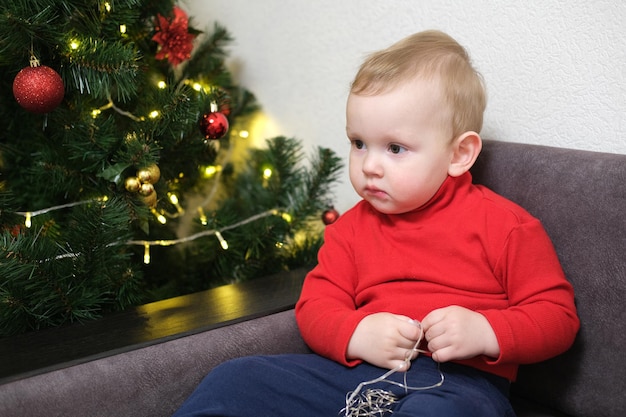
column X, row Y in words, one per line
column 376, row 402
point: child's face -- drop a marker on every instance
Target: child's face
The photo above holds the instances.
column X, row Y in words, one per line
column 400, row 150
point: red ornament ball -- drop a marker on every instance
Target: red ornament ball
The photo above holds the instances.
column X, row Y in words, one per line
column 213, row 125
column 38, row 89
column 330, row 216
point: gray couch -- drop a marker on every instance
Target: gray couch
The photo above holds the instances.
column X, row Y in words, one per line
column 580, row 198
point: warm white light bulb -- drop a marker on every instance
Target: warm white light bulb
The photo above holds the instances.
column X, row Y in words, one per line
column 146, row 254
column 203, row 218
column 223, row 241
column 210, row 170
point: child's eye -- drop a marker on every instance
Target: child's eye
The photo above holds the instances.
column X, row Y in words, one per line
column 393, row 148
column 358, row 144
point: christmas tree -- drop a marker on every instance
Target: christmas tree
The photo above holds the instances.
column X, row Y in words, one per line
column 125, row 175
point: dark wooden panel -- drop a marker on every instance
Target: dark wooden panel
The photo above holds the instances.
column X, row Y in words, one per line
column 42, row 351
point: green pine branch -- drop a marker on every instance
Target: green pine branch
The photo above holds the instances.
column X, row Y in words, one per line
column 49, row 279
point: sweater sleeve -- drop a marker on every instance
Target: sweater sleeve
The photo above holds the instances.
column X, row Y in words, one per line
column 541, row 321
column 326, row 312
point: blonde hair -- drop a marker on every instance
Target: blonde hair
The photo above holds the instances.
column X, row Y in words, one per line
column 432, row 55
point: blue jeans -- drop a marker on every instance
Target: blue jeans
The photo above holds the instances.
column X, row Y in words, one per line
column 309, row 385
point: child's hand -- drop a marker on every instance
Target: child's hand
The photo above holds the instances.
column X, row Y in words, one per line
column 456, row 333
column 384, row 340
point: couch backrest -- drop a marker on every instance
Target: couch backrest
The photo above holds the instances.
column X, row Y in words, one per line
column 580, row 197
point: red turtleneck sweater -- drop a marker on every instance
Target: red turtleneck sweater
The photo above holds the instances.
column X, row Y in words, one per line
column 468, row 247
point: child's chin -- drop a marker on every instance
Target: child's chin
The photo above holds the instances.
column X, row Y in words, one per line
column 384, row 208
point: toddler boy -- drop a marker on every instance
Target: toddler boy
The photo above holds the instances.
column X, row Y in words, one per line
column 426, row 256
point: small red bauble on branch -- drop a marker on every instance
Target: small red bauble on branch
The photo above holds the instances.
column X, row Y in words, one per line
column 330, row 216
column 38, row 88
column 213, row 125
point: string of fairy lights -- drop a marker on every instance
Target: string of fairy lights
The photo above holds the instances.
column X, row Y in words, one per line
column 167, row 242
column 209, row 172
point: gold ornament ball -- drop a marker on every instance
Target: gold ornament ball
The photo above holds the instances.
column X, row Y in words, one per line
column 132, row 184
column 150, row 174
column 150, row 200
column 146, row 189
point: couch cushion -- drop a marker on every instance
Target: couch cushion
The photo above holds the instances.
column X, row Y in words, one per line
column 580, row 197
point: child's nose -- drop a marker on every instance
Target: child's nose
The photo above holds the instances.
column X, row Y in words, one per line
column 372, row 164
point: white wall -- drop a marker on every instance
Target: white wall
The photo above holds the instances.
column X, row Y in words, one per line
column 555, row 69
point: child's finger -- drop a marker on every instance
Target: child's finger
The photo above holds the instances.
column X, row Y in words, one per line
column 410, row 329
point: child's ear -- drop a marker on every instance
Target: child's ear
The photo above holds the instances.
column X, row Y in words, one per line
column 465, row 151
